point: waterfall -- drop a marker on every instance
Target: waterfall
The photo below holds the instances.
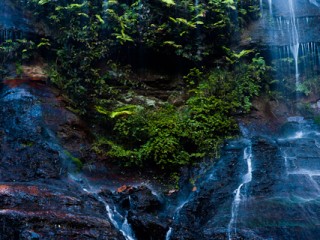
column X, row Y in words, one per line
column 302, row 172
column 238, row 198
column 168, row 235
column 9, row 33
column 277, row 195
column 290, row 29
column 118, row 221
column 270, row 7
column 294, row 47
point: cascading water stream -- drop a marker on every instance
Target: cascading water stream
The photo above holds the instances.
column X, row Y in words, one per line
column 238, row 198
column 176, row 215
column 169, row 233
column 314, row 2
column 295, row 44
column 118, row 221
column 291, row 33
column 301, row 169
column 281, row 199
column 270, row 7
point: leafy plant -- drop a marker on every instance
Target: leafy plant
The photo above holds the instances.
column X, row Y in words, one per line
column 88, row 43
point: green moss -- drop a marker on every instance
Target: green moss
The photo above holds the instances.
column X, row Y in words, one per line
column 168, row 137
column 87, row 66
column 76, row 161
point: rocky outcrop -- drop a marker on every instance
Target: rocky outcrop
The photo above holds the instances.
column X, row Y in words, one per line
column 280, row 202
column 143, row 210
column 37, row 199
column 52, row 211
column 27, row 150
column 208, row 213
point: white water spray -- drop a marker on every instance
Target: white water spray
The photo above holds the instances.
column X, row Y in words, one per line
column 247, row 156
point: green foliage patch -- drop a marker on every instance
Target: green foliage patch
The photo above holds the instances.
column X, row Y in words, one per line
column 168, row 136
column 86, row 40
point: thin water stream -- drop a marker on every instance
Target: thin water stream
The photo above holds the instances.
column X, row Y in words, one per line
column 120, row 222
column 267, row 187
column 270, row 188
column 294, row 39
column 270, row 7
column 176, row 217
column 240, row 196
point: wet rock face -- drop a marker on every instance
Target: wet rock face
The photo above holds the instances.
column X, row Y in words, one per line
column 13, row 24
column 144, row 215
column 11, row 16
column 280, row 202
column 275, row 30
column 147, row 226
column 289, row 29
column 38, row 136
column 143, row 211
column 208, row 213
column 37, row 201
column 143, row 200
column 44, row 211
column 26, row 148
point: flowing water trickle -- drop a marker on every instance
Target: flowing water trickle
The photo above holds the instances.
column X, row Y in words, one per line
column 280, row 197
column 290, row 31
column 238, row 198
column 295, row 44
column 168, row 235
column 303, row 168
column 175, row 217
column 120, row 222
column 270, row 7
column 315, row 2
